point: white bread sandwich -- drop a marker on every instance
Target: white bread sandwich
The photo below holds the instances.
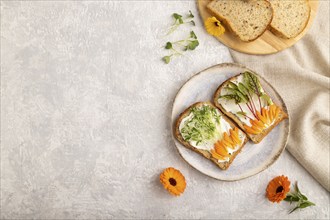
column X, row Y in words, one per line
column 243, row 99
column 204, row 129
column 248, row 19
column 290, row 17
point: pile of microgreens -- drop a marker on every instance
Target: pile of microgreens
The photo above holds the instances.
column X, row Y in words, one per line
column 177, row 48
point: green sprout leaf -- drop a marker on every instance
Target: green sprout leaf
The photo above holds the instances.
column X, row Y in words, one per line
column 190, row 15
column 177, row 16
column 193, row 35
column 168, row 45
column 167, row 59
column 193, row 23
column 177, row 47
column 192, row 45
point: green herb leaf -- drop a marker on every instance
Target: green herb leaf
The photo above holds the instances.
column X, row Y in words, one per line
column 304, row 197
column 243, row 97
column 252, row 83
column 193, row 23
column 243, row 89
column 306, row 204
column 234, row 97
column 168, row 45
column 265, row 97
column 190, row 15
column 297, row 196
column 291, row 198
column 232, row 85
column 166, row 59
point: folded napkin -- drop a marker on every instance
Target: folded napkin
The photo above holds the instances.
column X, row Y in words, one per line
column 301, row 75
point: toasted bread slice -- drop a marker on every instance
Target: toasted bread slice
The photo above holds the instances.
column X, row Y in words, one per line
column 223, row 155
column 256, row 117
column 248, row 19
column 290, row 17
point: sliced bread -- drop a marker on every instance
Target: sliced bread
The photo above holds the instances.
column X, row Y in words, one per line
column 243, row 99
column 204, row 129
column 248, row 19
column 290, row 17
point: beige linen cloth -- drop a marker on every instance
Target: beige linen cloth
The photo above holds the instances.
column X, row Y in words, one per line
column 301, row 75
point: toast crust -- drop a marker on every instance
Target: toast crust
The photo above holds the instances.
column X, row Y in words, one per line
column 229, row 25
column 279, row 33
column 205, row 153
column 255, row 138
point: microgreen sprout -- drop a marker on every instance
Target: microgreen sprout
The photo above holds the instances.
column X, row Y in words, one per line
column 178, row 20
column 190, row 43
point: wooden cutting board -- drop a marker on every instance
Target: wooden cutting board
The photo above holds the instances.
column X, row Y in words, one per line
column 267, row 43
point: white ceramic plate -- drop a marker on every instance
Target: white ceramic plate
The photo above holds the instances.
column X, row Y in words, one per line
column 253, row 158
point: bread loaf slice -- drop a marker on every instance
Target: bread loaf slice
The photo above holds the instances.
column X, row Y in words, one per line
column 243, row 100
column 290, row 17
column 248, row 19
column 204, row 129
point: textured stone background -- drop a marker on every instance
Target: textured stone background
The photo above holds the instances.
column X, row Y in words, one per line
column 85, row 117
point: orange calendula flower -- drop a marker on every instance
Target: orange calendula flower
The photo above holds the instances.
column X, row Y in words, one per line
column 214, row 27
column 265, row 119
column 278, row 188
column 173, row 181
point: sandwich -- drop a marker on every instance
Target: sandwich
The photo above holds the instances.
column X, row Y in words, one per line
column 243, row 99
column 204, row 129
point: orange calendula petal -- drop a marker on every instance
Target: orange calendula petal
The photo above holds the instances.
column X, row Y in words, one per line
column 265, row 115
column 227, row 139
column 250, row 130
column 237, row 140
column 226, row 144
column 222, row 151
column 277, row 111
column 262, row 118
column 272, row 109
column 269, row 117
column 217, row 144
column 217, row 156
column 234, row 137
column 270, row 113
column 257, row 124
